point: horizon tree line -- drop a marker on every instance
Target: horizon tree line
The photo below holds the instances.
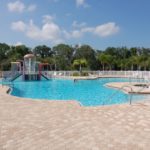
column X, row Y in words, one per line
column 66, row 57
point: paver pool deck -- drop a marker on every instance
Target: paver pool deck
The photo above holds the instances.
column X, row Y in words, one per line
column 27, row 124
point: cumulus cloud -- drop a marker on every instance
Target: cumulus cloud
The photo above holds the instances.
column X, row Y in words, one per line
column 49, row 31
column 103, row 30
column 76, row 34
column 16, row 6
column 18, row 26
column 52, row 32
column 20, row 7
column 106, row 29
column 48, row 18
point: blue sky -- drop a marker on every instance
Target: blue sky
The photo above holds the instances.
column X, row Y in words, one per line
column 99, row 23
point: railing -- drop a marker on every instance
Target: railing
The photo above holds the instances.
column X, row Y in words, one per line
column 116, row 92
column 131, row 93
column 129, row 74
column 9, row 75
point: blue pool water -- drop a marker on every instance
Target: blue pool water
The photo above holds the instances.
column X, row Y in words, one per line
column 87, row 92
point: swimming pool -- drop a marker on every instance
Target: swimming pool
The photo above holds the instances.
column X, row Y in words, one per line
column 86, row 92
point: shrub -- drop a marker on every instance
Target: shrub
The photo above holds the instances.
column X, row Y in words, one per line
column 84, row 74
column 76, row 74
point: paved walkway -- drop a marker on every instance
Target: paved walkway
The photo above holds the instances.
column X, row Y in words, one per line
column 58, row 125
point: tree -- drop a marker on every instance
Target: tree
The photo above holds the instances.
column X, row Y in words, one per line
column 18, row 52
column 85, row 51
column 42, row 51
column 143, row 62
column 106, row 59
column 133, row 51
column 64, row 55
column 111, row 51
column 4, row 49
column 11, row 53
column 80, row 63
column 134, row 61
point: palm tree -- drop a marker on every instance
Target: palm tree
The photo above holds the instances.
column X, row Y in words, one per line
column 106, row 59
column 134, row 61
column 80, row 63
column 102, row 59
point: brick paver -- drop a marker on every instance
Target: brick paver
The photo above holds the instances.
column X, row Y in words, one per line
column 60, row 125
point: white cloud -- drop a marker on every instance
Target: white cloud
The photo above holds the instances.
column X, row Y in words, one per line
column 16, row 6
column 106, row 29
column 52, row 32
column 18, row 26
column 20, row 7
column 103, row 30
column 76, row 34
column 32, row 31
column 48, row 32
column 81, row 3
column 87, row 29
column 48, row 18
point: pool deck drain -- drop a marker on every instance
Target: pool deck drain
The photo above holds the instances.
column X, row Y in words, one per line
column 27, row 124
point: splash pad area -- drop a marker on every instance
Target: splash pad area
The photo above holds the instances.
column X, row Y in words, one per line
column 28, row 69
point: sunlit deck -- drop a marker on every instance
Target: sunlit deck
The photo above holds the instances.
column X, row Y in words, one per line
column 35, row 124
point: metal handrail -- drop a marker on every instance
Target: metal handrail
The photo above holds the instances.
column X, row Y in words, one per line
column 139, row 90
column 131, row 94
column 116, row 92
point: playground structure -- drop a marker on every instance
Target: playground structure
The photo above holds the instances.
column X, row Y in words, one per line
column 43, row 66
column 16, row 69
column 29, row 69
